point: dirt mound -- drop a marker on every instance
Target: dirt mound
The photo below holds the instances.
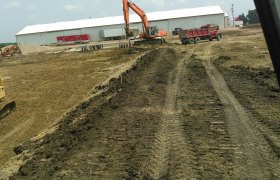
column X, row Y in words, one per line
column 224, row 58
column 34, row 48
column 245, row 31
column 262, row 75
column 255, row 26
column 92, row 114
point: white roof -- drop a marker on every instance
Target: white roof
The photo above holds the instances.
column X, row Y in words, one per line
column 155, row 16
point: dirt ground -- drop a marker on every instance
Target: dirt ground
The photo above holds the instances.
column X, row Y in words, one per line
column 46, row 86
column 204, row 111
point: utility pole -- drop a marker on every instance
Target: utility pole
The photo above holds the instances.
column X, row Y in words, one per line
column 232, row 12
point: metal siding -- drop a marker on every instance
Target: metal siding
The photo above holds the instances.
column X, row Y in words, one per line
column 96, row 33
column 72, row 32
column 196, row 22
column 40, row 38
column 160, row 24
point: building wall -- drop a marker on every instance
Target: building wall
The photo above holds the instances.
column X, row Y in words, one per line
column 96, row 33
column 227, row 21
column 236, row 23
column 195, row 22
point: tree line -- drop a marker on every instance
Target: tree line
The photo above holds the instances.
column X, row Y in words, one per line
column 251, row 18
column 6, row 44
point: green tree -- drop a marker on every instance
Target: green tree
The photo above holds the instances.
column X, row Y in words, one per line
column 6, row 44
column 243, row 18
column 253, row 17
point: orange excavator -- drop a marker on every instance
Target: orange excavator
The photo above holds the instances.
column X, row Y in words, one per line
column 150, row 35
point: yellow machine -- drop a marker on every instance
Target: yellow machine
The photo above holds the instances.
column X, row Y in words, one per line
column 5, row 108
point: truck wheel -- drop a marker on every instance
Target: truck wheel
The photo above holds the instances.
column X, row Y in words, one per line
column 197, row 40
column 219, row 37
column 191, row 40
column 184, row 41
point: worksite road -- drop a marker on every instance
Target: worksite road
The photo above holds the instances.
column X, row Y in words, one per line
column 203, row 111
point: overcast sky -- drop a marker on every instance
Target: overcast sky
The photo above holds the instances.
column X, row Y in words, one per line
column 16, row 14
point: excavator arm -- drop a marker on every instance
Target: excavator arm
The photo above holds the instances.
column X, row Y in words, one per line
column 150, row 35
column 128, row 4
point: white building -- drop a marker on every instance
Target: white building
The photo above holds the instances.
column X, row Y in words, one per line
column 227, row 20
column 237, row 22
column 169, row 20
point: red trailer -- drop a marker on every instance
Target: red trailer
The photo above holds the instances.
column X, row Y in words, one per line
column 73, row 39
column 208, row 32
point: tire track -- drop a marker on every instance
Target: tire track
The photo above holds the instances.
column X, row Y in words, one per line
column 172, row 155
column 253, row 155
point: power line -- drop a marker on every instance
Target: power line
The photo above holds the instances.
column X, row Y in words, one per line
column 232, row 13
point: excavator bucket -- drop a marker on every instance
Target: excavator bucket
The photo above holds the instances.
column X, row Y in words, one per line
column 7, row 109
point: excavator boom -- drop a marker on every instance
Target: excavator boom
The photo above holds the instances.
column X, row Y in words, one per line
column 151, row 35
column 128, row 4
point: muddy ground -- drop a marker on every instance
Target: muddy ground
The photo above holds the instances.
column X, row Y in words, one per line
column 46, row 86
column 205, row 111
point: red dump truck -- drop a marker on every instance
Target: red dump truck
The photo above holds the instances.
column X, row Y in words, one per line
column 208, row 32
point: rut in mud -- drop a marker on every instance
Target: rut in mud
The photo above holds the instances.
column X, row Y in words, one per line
column 253, row 154
column 169, row 117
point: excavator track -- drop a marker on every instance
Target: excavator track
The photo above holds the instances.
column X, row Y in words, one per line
column 7, row 109
column 158, row 41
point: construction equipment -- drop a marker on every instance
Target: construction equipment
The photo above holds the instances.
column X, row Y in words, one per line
column 10, row 50
column 176, row 31
column 208, row 32
column 150, row 35
column 5, row 108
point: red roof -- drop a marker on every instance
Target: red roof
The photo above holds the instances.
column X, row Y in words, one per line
column 237, row 19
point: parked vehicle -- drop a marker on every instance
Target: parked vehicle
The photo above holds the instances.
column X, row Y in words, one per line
column 208, row 32
column 176, row 31
column 83, row 38
column 114, row 34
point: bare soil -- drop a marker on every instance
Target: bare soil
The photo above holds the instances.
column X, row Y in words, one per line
column 204, row 111
column 46, row 86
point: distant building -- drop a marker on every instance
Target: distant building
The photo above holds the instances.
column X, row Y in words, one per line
column 237, row 22
column 227, row 20
column 169, row 20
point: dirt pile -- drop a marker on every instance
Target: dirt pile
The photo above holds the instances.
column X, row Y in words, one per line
column 34, row 48
column 111, row 109
column 262, row 75
column 46, row 86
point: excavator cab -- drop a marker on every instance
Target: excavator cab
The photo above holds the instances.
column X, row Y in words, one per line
column 153, row 31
